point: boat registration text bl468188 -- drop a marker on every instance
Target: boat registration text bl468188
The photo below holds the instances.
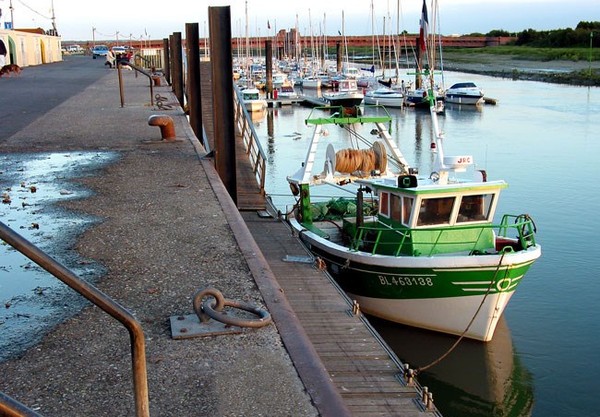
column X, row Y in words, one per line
column 405, row 281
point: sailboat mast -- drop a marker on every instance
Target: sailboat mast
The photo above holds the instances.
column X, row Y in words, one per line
column 247, row 44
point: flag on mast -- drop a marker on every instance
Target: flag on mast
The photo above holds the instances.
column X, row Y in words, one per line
column 424, row 27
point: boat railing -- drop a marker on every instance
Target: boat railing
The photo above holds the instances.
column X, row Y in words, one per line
column 524, row 225
column 379, row 237
column 11, row 407
column 245, row 128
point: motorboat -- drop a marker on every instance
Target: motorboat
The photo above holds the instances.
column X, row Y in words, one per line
column 464, row 93
column 385, row 96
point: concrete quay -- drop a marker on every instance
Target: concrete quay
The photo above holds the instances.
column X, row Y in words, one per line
column 165, row 230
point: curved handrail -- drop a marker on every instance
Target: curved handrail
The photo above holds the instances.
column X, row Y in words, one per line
column 141, row 71
column 97, row 297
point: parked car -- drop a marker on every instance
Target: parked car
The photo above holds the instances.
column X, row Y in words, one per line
column 99, row 50
column 118, row 50
column 72, row 49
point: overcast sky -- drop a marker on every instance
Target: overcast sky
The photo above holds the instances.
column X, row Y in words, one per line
column 158, row 19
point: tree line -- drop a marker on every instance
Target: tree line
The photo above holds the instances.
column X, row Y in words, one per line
column 557, row 38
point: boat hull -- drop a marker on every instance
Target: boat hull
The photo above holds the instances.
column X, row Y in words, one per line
column 255, row 105
column 464, row 99
column 394, row 101
column 441, row 293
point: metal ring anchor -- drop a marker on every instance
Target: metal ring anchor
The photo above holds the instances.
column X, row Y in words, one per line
column 207, row 310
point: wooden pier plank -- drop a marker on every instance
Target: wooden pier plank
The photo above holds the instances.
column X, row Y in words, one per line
column 367, row 378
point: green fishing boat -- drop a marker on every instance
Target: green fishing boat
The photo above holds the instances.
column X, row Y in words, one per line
column 421, row 250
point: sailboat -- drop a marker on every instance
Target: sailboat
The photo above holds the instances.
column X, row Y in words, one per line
column 418, row 96
column 421, row 250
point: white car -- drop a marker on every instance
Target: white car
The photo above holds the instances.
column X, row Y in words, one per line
column 118, row 50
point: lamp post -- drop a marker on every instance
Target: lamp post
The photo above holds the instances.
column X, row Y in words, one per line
column 12, row 20
column 590, row 58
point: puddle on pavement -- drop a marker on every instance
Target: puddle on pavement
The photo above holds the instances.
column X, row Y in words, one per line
column 32, row 301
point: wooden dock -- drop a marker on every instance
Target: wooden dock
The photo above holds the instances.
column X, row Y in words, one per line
column 366, row 373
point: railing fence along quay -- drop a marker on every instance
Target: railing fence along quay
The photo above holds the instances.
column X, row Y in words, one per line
column 10, row 407
column 249, row 137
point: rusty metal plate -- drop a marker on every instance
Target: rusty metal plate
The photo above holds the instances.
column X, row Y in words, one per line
column 186, row 327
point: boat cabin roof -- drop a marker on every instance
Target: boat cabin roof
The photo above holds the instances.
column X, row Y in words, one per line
column 464, row 85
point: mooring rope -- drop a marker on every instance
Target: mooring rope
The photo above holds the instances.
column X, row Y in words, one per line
column 438, row 360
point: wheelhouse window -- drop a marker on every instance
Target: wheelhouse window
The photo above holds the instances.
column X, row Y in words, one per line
column 384, row 206
column 407, row 205
column 475, row 208
column 395, row 207
column 435, row 211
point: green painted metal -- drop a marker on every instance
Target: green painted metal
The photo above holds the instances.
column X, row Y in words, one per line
column 305, row 211
column 342, row 116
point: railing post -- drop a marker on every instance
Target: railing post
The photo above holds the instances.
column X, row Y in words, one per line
column 222, row 86
column 167, row 61
column 193, row 77
column 177, row 66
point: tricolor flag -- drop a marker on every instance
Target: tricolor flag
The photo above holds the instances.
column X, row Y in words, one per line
column 424, row 27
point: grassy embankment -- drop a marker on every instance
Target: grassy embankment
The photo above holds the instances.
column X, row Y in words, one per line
column 555, row 65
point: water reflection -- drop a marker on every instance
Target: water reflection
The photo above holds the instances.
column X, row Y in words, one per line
column 475, row 380
column 32, row 184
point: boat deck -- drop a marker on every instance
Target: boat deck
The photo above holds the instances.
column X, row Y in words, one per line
column 366, row 373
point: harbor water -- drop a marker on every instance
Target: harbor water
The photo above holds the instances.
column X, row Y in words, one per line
column 543, row 140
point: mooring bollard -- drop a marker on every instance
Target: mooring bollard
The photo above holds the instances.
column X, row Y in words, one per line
column 166, row 125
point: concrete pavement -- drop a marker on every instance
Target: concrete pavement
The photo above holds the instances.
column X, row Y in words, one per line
column 162, row 235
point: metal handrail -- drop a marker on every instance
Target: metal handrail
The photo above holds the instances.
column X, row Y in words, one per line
column 245, row 128
column 101, row 300
column 141, row 71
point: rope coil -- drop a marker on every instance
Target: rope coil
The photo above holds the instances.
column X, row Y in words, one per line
column 348, row 161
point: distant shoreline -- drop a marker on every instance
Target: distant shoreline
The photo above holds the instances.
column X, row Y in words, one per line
column 507, row 66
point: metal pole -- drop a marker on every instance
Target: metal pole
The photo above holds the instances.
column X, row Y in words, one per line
column 193, row 77
column 177, row 66
column 121, row 89
column 222, row 85
column 167, row 61
column 591, row 41
column 269, row 67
